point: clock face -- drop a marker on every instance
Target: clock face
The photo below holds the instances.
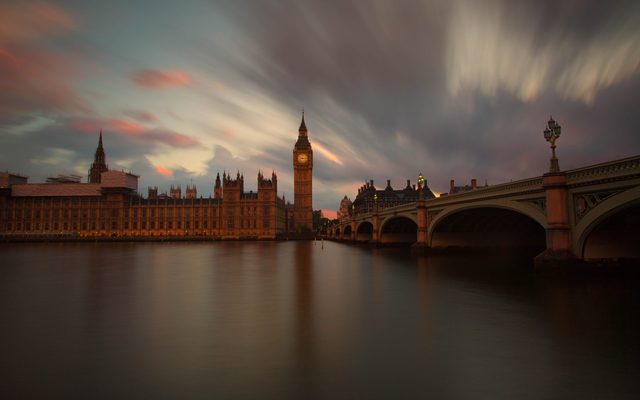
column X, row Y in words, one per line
column 303, row 158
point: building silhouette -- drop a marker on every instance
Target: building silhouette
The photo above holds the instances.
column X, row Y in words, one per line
column 109, row 205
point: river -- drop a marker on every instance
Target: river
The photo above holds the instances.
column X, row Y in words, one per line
column 306, row 320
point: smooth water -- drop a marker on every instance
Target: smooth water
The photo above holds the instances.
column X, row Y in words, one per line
column 279, row 320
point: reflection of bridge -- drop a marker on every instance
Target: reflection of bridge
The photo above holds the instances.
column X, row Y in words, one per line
column 591, row 213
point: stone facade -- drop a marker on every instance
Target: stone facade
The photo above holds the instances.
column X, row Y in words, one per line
column 303, row 181
column 388, row 197
column 112, row 207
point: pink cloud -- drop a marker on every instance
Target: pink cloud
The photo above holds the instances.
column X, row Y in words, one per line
column 127, row 127
column 172, row 139
column 227, row 132
column 136, row 132
column 142, row 116
column 163, row 171
column 36, row 80
column 161, row 79
column 26, row 21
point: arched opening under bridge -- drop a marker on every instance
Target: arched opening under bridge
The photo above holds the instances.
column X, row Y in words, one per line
column 488, row 227
column 399, row 230
column 364, row 232
column 615, row 236
column 347, row 232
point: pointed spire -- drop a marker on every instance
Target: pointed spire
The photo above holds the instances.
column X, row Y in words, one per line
column 303, row 126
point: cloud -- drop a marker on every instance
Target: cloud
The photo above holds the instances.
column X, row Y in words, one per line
column 141, row 116
column 163, row 171
column 497, row 46
column 33, row 79
column 326, row 153
column 160, row 79
column 27, row 21
column 36, row 81
column 136, row 132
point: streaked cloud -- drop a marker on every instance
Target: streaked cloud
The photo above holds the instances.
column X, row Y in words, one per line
column 26, row 21
column 137, row 132
column 326, row 153
column 494, row 46
column 451, row 89
column 160, row 79
column 141, row 116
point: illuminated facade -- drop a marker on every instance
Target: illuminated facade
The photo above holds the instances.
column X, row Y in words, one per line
column 302, row 181
column 110, row 206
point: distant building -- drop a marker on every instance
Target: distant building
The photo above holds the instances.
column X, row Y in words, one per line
column 110, row 206
column 7, row 179
column 387, row 197
column 458, row 189
column 344, row 212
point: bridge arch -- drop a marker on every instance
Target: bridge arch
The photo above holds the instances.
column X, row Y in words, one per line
column 346, row 233
column 399, row 229
column 364, row 231
column 489, row 224
column 611, row 228
column 337, row 233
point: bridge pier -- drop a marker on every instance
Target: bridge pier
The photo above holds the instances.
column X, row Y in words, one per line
column 375, row 235
column 559, row 234
column 353, row 231
column 421, row 239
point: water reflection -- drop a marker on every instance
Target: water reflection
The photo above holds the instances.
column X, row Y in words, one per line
column 296, row 320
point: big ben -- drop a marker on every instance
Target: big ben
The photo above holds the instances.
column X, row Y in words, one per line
column 302, row 181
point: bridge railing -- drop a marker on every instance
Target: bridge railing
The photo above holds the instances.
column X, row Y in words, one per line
column 623, row 167
column 618, row 168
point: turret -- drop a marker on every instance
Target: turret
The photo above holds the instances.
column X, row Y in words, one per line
column 217, row 190
column 175, row 192
column 99, row 164
column 191, row 192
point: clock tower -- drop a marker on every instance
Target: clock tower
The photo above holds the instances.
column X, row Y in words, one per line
column 302, row 181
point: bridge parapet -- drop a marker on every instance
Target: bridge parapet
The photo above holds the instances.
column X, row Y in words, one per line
column 609, row 170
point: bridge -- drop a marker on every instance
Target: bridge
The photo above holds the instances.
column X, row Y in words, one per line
column 585, row 213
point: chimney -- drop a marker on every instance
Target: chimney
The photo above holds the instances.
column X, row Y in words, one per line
column 452, row 186
column 474, row 184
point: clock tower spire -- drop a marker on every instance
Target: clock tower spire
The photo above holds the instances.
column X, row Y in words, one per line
column 302, row 181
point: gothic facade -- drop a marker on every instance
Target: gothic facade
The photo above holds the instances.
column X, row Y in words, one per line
column 303, row 181
column 369, row 196
column 110, row 206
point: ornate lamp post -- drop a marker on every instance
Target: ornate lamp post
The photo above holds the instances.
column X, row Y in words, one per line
column 420, row 185
column 551, row 134
column 375, row 202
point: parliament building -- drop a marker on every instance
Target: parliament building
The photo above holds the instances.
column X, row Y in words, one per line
column 109, row 205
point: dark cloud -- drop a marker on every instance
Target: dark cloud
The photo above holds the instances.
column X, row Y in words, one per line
column 457, row 89
column 386, row 64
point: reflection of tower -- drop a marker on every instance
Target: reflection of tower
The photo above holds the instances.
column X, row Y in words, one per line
column 99, row 163
column 304, row 341
column 302, row 181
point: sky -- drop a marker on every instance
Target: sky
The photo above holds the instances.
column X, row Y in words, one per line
column 185, row 90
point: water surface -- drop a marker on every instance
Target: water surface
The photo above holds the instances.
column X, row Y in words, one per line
column 274, row 320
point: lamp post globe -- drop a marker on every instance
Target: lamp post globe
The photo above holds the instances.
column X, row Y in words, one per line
column 551, row 134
